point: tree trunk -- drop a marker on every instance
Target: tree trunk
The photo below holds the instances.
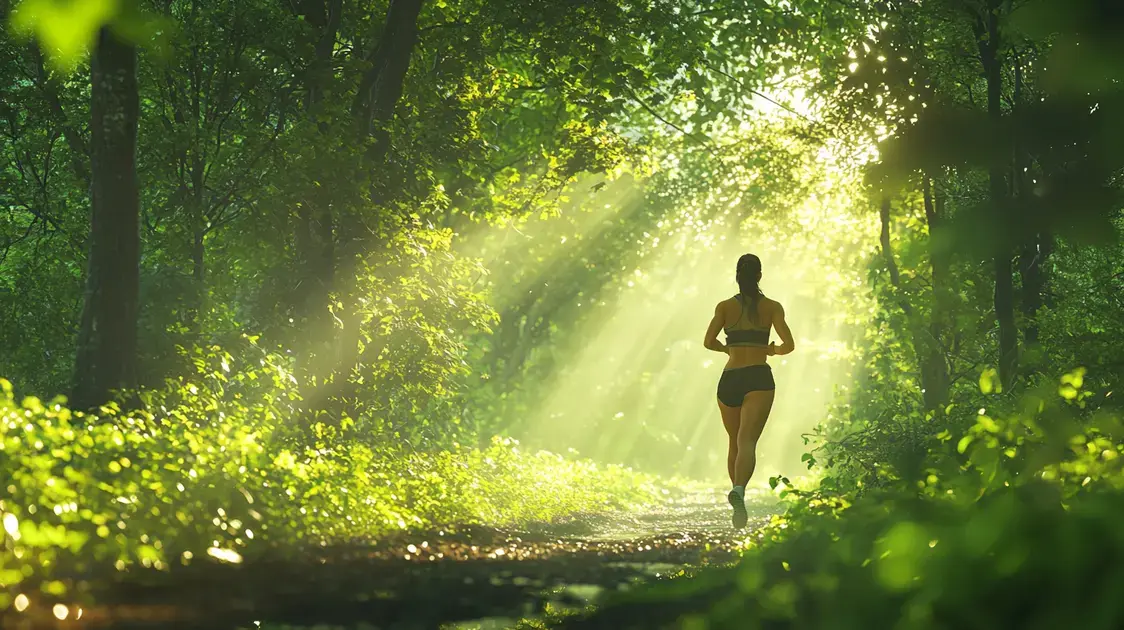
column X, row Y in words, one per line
column 382, row 84
column 1034, row 283
column 198, row 262
column 198, row 225
column 936, row 387
column 925, row 339
column 379, row 91
column 107, row 343
column 1045, row 250
column 79, row 152
column 320, row 257
column 888, row 254
column 987, row 35
column 198, row 170
column 327, row 17
column 1032, row 255
column 938, row 251
column 1005, row 312
column 314, row 237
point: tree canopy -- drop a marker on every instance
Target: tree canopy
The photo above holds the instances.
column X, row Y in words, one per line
column 368, row 246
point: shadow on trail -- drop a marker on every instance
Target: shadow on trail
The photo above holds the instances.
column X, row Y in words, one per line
column 429, row 579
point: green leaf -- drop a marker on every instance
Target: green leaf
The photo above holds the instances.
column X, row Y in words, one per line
column 989, row 381
column 900, row 554
column 66, row 28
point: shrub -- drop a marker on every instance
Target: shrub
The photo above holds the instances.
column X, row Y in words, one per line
column 1014, row 524
column 209, row 466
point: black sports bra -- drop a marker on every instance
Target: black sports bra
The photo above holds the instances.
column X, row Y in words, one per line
column 752, row 337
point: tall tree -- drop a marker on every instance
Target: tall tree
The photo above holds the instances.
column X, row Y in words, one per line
column 382, row 83
column 986, row 28
column 337, row 238
column 315, row 227
column 936, row 366
column 925, row 337
column 1035, row 250
column 107, row 341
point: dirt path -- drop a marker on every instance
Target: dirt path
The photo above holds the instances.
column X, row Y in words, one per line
column 437, row 579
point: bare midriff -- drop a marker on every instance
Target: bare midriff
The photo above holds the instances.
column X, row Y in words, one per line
column 745, row 356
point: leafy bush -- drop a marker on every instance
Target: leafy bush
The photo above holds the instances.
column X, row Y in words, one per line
column 1057, row 430
column 208, row 466
column 1014, row 524
column 1015, row 559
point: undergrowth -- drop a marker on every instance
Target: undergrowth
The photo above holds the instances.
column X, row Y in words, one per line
column 1014, row 522
column 212, row 469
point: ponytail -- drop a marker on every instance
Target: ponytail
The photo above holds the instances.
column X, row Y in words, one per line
column 749, row 281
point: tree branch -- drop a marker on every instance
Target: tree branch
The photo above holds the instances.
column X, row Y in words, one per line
column 80, row 153
column 648, row 108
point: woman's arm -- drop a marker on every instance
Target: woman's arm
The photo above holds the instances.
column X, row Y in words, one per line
column 710, row 342
column 781, row 326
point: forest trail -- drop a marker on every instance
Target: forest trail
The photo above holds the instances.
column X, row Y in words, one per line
column 475, row 578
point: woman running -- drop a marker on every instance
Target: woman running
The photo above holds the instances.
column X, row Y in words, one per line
column 746, row 389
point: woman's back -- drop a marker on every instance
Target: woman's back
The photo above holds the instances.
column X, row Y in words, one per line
column 747, row 324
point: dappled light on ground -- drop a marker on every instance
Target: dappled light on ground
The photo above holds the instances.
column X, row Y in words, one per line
column 429, row 577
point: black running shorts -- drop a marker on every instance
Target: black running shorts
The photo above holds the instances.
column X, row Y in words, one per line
column 736, row 383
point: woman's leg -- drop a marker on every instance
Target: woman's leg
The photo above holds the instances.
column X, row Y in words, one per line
column 732, row 420
column 754, row 413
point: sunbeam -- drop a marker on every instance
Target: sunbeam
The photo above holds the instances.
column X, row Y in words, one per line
column 627, row 379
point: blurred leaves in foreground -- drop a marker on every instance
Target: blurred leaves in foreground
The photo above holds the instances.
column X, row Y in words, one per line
column 66, row 29
column 1016, row 524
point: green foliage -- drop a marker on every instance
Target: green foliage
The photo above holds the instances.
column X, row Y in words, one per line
column 417, row 299
column 880, row 430
column 1014, row 526
column 260, row 209
column 1082, row 324
column 1018, row 560
column 209, row 468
